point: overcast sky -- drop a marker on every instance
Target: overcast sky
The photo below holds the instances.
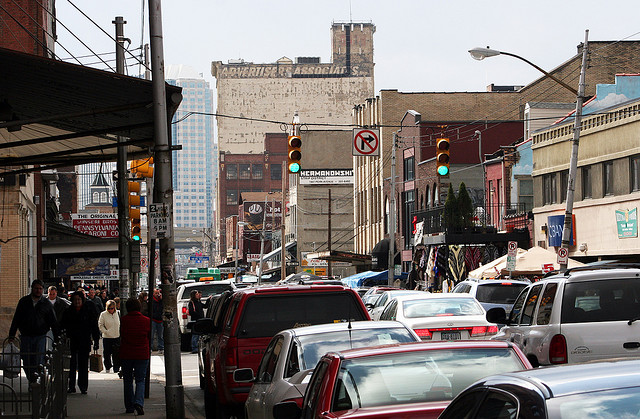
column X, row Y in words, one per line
column 419, row 45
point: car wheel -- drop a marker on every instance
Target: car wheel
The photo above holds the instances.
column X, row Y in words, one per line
column 185, row 342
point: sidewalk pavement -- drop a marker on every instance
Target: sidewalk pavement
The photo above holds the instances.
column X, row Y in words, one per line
column 105, row 399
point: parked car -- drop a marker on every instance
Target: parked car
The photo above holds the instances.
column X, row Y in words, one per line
column 585, row 314
column 293, row 351
column 183, row 295
column 441, row 316
column 493, row 293
column 376, row 309
column 373, row 293
column 217, row 308
column 253, row 317
column 597, row 390
column 398, row 381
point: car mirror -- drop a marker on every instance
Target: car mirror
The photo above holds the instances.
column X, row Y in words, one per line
column 243, row 375
column 286, row 410
column 497, row 315
column 205, row 326
column 369, row 306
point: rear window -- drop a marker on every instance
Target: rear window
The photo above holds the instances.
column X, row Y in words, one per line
column 209, row 289
column 264, row 316
column 437, row 307
column 504, row 293
column 601, row 301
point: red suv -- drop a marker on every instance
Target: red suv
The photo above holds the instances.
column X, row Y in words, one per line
column 252, row 318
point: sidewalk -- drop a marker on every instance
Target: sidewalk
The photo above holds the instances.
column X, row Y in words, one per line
column 104, row 398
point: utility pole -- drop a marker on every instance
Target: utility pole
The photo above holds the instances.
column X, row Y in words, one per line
column 392, row 214
column 122, row 187
column 329, row 267
column 163, row 195
column 573, row 162
column 283, row 250
column 264, row 225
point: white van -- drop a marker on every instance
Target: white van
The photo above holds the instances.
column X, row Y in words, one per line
column 586, row 314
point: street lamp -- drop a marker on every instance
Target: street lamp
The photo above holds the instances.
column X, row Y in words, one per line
column 481, row 53
column 239, row 224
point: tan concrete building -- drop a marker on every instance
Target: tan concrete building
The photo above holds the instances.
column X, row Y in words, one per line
column 322, row 93
column 607, row 187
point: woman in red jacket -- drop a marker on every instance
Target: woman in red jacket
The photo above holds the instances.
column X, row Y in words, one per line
column 134, row 355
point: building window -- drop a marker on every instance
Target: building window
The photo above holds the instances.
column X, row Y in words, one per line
column 525, row 192
column 96, row 197
column 409, row 199
column 428, row 194
column 232, row 197
column 276, row 171
column 549, row 188
column 245, row 171
column 103, row 197
column 586, row 182
column 607, row 178
column 564, row 184
column 409, row 168
column 635, row 173
column 232, row 171
column 256, row 171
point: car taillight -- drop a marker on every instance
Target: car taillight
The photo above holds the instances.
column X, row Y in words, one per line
column 492, row 330
column 479, row 331
column 185, row 314
column 423, row 333
column 558, row 350
column 232, row 358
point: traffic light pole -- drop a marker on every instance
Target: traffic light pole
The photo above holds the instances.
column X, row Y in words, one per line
column 163, row 195
column 124, row 254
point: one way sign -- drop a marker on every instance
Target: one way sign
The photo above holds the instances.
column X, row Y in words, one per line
column 366, row 142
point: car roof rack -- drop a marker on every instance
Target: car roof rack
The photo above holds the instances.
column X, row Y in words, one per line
column 612, row 265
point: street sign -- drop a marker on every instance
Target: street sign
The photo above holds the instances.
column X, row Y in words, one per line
column 159, row 220
column 547, row 267
column 511, row 263
column 366, row 142
column 512, row 248
column 563, row 256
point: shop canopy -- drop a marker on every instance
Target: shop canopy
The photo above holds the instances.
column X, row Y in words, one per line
column 528, row 262
column 370, row 279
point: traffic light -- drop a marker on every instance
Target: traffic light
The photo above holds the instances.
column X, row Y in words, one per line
column 134, row 209
column 442, row 156
column 294, row 155
column 142, row 168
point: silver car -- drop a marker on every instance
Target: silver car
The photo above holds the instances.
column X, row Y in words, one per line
column 293, row 353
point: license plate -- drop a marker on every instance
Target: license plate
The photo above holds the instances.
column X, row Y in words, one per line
column 450, row 336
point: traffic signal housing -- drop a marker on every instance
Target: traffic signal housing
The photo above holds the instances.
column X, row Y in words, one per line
column 142, row 168
column 442, row 156
column 134, row 210
column 294, row 155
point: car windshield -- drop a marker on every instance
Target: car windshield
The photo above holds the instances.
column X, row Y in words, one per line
column 412, row 377
column 499, row 293
column 436, row 307
column 314, row 346
column 619, row 404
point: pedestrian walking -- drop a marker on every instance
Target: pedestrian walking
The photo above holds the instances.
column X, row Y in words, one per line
column 196, row 311
column 134, row 355
column 34, row 317
column 103, row 297
column 81, row 324
column 95, row 299
column 60, row 304
column 157, row 328
column 109, row 325
column 143, row 298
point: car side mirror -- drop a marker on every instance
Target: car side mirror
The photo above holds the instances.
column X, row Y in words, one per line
column 497, row 315
column 205, row 326
column 287, row 410
column 369, row 306
column 243, row 375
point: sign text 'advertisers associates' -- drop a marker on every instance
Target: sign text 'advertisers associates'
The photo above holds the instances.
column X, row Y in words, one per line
column 98, row 225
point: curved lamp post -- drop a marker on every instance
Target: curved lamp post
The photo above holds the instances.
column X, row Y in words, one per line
column 482, row 53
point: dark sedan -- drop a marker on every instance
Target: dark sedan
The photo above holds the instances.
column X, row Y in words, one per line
column 584, row 391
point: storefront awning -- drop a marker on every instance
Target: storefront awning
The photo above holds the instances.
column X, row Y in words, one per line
column 340, row 256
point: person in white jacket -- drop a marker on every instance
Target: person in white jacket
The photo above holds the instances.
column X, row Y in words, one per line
column 109, row 325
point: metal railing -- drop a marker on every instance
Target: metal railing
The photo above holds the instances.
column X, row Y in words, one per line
column 488, row 218
column 45, row 395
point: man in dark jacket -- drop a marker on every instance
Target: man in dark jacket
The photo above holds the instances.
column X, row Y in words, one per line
column 196, row 311
column 157, row 328
column 34, row 317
